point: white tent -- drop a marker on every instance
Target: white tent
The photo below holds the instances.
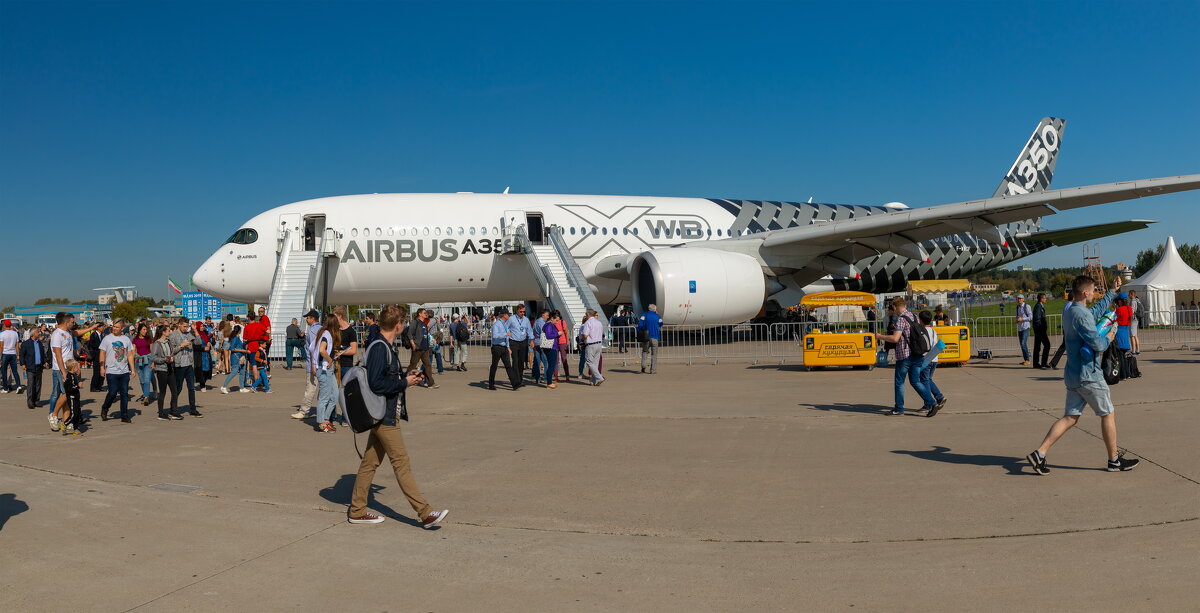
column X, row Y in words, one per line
column 1159, row 285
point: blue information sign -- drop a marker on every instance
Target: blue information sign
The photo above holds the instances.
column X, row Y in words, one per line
column 198, row 305
column 691, row 287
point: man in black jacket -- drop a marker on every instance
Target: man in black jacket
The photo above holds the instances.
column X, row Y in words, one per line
column 1041, row 339
column 35, row 355
column 384, row 379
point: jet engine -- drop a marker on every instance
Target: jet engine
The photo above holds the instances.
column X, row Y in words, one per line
column 698, row 286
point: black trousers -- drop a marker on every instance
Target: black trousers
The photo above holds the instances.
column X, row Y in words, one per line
column 1041, row 346
column 500, row 354
column 520, row 356
column 186, row 375
column 166, row 381
column 97, row 380
column 33, row 386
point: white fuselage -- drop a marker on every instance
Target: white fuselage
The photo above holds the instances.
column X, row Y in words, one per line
column 444, row 247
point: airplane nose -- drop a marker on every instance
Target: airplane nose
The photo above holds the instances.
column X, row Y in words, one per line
column 207, row 278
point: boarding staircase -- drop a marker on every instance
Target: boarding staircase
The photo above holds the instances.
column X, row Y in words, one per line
column 295, row 286
column 560, row 280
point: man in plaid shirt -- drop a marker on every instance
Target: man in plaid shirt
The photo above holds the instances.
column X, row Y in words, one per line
column 907, row 365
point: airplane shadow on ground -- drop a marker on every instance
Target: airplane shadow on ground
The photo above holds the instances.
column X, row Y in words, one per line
column 10, row 506
column 1014, row 466
column 340, row 492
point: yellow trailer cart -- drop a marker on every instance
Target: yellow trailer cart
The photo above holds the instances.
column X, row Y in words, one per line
column 958, row 344
column 852, row 345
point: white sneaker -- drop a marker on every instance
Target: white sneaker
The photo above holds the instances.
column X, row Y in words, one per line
column 224, row 390
column 299, row 414
column 268, row 392
column 245, row 390
column 53, row 423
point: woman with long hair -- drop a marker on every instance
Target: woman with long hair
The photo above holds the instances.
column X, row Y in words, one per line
column 141, row 360
column 564, row 344
column 201, row 355
column 330, row 339
column 550, row 354
column 164, row 372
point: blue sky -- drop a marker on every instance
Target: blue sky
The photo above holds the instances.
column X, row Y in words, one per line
column 152, row 130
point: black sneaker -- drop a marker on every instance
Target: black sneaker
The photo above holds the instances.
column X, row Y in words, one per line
column 126, row 420
column 1121, row 464
column 937, row 407
column 103, row 414
column 195, row 414
column 896, row 412
column 162, row 417
column 1039, row 463
column 175, row 417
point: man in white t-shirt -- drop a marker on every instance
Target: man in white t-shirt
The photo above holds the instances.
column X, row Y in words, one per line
column 9, row 341
column 116, row 362
column 62, row 348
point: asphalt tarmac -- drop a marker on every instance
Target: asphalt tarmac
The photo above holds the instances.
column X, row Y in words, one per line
column 703, row 488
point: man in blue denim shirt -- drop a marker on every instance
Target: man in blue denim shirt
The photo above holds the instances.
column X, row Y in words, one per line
column 385, row 379
column 1083, row 375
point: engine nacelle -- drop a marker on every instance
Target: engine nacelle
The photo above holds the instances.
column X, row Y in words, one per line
column 698, row 286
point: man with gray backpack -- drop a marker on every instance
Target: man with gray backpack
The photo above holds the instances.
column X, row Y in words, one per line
column 378, row 407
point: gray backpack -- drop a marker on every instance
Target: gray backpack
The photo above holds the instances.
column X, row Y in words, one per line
column 364, row 408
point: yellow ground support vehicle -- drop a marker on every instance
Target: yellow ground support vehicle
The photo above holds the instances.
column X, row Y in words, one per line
column 958, row 344
column 852, row 345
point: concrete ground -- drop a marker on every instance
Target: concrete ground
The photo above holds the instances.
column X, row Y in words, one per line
column 704, row 487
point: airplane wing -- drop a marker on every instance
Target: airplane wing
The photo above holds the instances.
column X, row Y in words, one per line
column 1070, row 236
column 835, row 245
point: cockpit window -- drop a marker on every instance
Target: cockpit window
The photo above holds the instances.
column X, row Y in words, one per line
column 245, row 236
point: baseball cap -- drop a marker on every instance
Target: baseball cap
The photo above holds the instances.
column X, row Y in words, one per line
column 1021, row 296
column 500, row 310
column 313, row 314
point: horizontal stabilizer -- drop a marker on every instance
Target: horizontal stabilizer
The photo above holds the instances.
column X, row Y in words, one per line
column 1071, row 236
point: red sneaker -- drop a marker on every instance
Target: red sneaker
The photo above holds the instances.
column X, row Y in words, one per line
column 434, row 518
column 366, row 518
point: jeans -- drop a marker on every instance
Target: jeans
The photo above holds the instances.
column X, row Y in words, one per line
column 145, row 376
column 927, row 378
column 539, row 363
column 263, row 380
column 910, row 368
column 8, row 362
column 290, row 345
column 118, row 386
column 186, row 375
column 327, row 396
column 56, row 388
column 234, row 371
column 437, row 354
column 1023, row 337
column 549, row 360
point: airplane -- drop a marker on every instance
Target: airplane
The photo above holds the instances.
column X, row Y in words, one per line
column 701, row 261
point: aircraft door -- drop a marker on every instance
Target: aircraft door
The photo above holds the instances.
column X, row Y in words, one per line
column 535, row 228
column 512, row 221
column 314, row 227
column 291, row 221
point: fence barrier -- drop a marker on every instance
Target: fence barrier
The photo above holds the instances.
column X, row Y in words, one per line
column 784, row 342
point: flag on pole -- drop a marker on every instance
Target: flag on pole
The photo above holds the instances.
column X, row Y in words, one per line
column 171, row 284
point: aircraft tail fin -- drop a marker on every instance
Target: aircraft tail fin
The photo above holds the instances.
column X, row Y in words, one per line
column 1034, row 167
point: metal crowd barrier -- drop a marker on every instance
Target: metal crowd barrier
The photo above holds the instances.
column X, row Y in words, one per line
column 781, row 342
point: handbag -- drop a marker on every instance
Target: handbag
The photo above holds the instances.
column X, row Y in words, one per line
column 545, row 342
column 643, row 336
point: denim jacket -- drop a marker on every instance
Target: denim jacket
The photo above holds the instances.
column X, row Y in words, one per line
column 1079, row 329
